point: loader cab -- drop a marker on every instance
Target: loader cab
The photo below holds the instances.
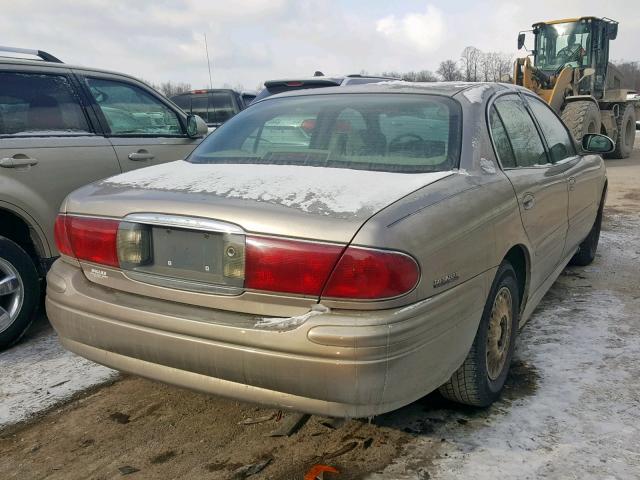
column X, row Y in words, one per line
column 579, row 43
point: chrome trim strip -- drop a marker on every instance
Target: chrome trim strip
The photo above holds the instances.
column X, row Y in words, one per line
column 178, row 221
column 181, row 284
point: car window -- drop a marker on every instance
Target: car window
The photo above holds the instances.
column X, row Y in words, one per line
column 199, row 104
column 130, row 110
column 283, row 132
column 407, row 133
column 525, row 140
column 221, row 107
column 558, row 139
column 39, row 104
column 501, row 140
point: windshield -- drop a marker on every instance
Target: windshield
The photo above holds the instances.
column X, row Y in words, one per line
column 563, row 43
column 382, row 132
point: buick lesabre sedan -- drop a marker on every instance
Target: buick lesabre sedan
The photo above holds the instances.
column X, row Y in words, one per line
column 341, row 251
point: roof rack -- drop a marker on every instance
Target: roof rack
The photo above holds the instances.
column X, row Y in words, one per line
column 47, row 57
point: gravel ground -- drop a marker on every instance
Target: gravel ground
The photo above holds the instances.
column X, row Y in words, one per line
column 570, row 409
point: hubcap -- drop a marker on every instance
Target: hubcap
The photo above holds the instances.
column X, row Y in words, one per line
column 11, row 294
column 499, row 334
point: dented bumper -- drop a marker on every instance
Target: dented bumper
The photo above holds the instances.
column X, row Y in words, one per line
column 339, row 363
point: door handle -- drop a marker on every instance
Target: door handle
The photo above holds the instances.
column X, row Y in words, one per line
column 572, row 183
column 141, row 155
column 528, row 201
column 17, row 161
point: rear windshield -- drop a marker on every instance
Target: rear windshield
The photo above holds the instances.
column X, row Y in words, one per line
column 212, row 107
column 384, row 132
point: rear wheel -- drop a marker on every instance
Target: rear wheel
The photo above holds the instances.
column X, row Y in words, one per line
column 587, row 251
column 626, row 123
column 19, row 292
column 481, row 377
column 581, row 117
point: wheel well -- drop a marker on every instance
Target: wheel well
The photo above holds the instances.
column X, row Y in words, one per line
column 17, row 230
column 519, row 260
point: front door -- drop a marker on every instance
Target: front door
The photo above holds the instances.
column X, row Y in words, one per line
column 143, row 128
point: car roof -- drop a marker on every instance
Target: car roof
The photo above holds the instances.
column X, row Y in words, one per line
column 448, row 89
column 44, row 64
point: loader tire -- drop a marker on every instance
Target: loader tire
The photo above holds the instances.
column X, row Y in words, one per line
column 626, row 123
column 581, row 117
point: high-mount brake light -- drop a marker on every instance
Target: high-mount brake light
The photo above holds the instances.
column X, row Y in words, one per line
column 294, row 84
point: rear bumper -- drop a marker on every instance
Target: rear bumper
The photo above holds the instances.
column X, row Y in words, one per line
column 341, row 363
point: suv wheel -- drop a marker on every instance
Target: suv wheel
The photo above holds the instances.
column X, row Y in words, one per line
column 19, row 292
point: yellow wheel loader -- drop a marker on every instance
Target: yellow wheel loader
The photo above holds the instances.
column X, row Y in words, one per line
column 569, row 68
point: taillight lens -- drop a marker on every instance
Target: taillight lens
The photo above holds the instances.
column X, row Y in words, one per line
column 368, row 274
column 61, row 237
column 90, row 239
column 288, row 266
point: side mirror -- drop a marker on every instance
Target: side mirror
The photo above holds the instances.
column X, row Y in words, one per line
column 596, row 143
column 612, row 31
column 196, row 127
column 520, row 40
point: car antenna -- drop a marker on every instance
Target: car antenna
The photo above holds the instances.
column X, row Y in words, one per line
column 206, row 48
column 318, row 73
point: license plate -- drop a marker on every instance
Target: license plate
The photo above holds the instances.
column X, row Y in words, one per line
column 188, row 254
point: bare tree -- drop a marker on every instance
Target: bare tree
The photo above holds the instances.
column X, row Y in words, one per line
column 449, row 71
column 470, row 59
column 631, row 74
column 169, row 89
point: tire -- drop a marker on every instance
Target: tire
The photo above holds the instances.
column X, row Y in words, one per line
column 475, row 383
column 19, row 292
column 587, row 250
column 580, row 117
column 626, row 123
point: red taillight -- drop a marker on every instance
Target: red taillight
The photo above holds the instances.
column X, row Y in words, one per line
column 61, row 237
column 90, row 239
column 293, row 266
column 308, row 125
column 294, row 84
column 368, row 274
column 288, row 266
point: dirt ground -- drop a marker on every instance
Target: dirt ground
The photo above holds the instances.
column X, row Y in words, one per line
column 570, row 410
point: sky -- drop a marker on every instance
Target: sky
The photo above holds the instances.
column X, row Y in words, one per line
column 251, row 41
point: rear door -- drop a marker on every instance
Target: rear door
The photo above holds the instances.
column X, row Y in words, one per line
column 582, row 172
column 540, row 186
column 143, row 127
column 48, row 143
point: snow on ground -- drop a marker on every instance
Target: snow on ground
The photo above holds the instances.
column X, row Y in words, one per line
column 38, row 373
column 572, row 410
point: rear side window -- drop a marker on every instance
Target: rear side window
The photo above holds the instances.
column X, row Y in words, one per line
column 501, row 140
column 39, row 104
column 558, row 139
column 130, row 110
column 386, row 132
column 527, row 145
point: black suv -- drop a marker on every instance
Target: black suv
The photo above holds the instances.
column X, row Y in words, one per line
column 271, row 87
column 214, row 106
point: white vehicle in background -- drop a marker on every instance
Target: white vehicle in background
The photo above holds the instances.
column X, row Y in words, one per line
column 635, row 96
